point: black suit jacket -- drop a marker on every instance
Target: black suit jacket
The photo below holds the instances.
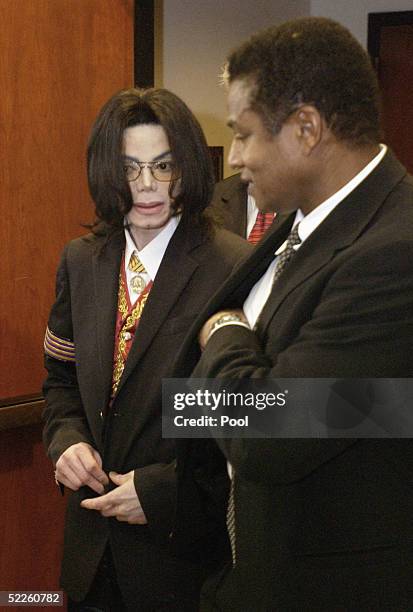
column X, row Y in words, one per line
column 128, row 434
column 230, row 202
column 324, row 524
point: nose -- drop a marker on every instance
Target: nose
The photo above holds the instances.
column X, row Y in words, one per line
column 145, row 181
column 234, row 156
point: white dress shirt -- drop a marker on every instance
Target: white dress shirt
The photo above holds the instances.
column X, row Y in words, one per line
column 252, row 212
column 150, row 256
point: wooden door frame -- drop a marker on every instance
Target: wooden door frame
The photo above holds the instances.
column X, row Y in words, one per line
column 377, row 21
column 144, row 43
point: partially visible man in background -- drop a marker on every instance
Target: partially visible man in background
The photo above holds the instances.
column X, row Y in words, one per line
column 238, row 210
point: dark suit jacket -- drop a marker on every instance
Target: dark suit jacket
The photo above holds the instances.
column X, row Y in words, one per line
column 128, row 434
column 230, row 202
column 324, row 524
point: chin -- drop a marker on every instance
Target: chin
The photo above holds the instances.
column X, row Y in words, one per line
column 153, row 224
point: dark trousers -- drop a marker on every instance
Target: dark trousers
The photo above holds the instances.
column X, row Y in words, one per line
column 104, row 594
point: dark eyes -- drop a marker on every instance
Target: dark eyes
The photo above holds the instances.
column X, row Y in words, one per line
column 163, row 166
column 160, row 166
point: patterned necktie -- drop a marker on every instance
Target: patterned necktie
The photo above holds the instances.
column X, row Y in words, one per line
column 231, row 521
column 262, row 223
column 284, row 258
column 135, row 264
column 282, row 261
column 138, row 282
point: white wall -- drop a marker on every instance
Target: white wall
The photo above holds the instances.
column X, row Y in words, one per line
column 193, row 40
column 194, row 37
column 353, row 13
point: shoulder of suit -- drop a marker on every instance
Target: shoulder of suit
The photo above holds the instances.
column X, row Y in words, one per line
column 228, row 186
column 92, row 243
column 85, row 241
column 227, row 246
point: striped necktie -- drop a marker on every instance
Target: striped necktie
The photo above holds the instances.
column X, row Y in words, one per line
column 135, row 264
column 262, row 223
column 284, row 258
column 231, row 521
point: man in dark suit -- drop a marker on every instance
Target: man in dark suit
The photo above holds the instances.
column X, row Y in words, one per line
column 126, row 295
column 316, row 524
column 238, row 210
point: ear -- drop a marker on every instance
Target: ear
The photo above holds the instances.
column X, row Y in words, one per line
column 309, row 127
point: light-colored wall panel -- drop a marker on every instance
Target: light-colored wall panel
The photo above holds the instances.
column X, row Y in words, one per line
column 194, row 39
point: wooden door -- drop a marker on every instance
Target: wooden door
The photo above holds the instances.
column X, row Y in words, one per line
column 391, row 46
column 59, row 62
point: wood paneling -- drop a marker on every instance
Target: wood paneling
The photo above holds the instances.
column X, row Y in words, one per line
column 32, row 510
column 59, row 61
column 19, row 413
column 396, row 81
column 390, row 44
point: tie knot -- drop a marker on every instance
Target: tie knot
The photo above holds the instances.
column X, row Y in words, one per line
column 135, row 264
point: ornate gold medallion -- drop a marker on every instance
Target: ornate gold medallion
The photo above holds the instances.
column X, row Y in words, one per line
column 138, row 283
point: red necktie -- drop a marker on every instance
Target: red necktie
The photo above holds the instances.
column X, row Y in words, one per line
column 262, row 223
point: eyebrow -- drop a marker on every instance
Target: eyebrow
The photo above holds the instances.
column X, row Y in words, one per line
column 157, row 158
column 232, row 121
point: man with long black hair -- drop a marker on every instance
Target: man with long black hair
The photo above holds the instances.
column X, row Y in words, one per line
column 126, row 295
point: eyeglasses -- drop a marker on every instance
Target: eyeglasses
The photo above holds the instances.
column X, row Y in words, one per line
column 161, row 170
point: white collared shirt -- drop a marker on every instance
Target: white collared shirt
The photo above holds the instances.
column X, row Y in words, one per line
column 260, row 292
column 252, row 212
column 150, row 256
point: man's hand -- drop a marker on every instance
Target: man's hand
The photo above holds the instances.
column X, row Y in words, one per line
column 206, row 328
column 122, row 502
column 81, row 465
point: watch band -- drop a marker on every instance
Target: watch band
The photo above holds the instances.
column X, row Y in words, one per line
column 227, row 319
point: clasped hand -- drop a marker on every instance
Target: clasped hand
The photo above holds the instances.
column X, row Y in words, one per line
column 81, row 465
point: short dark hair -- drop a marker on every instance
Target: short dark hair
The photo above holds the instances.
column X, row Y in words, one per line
column 107, row 182
column 311, row 60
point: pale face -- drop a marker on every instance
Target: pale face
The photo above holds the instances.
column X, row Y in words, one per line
column 152, row 204
column 272, row 165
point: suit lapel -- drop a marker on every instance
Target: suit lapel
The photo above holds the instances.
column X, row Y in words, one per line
column 240, row 283
column 106, row 266
column 173, row 275
column 244, row 277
